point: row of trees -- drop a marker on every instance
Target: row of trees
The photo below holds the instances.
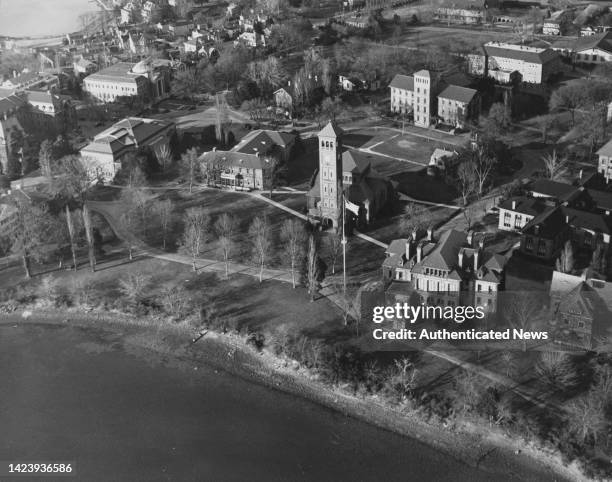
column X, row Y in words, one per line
column 299, row 249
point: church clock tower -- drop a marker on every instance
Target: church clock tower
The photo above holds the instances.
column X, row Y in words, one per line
column 330, row 173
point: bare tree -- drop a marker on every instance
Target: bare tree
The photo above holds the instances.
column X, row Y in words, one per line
column 195, row 235
column 415, row 218
column 174, row 298
column 293, row 237
column 555, row 166
column 334, row 242
column 565, row 261
column 163, row 210
column 45, row 157
column 586, row 416
column 74, row 226
column 312, row 267
column 128, row 221
column 568, row 98
column 225, row 228
column 466, row 176
column 523, row 312
column 28, row 232
column 261, row 242
column 556, row 369
column 164, row 157
column 142, row 202
column 74, row 182
column 483, row 167
column 189, row 166
column 134, row 286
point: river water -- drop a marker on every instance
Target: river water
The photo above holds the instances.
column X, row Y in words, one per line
column 121, row 418
column 42, row 17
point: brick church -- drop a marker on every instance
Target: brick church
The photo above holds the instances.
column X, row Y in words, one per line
column 345, row 172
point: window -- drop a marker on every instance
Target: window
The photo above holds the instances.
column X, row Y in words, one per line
column 528, row 243
column 541, row 248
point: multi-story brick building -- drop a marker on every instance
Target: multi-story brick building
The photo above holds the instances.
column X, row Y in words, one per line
column 456, row 269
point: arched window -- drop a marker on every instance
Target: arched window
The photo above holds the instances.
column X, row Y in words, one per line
column 331, row 144
column 327, row 144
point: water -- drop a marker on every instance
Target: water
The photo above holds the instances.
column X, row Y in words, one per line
column 42, row 17
column 123, row 419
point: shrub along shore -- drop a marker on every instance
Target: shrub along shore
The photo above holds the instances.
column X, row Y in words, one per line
column 300, row 367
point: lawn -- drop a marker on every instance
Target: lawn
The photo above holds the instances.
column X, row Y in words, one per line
column 407, row 146
column 419, row 185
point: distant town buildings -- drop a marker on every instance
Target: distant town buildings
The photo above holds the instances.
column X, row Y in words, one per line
column 103, row 156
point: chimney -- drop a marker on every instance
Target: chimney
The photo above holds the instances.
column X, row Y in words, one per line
column 408, row 241
column 414, row 235
column 513, row 204
column 214, row 149
column 481, row 243
column 470, row 237
column 476, row 256
column 419, row 252
column 566, row 219
column 429, row 234
column 460, row 260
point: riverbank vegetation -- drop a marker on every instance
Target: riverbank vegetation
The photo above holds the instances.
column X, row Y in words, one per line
column 310, row 341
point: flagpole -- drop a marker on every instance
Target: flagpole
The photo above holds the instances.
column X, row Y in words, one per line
column 343, row 245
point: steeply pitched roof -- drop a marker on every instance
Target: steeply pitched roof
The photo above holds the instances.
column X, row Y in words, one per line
column 601, row 41
column 234, row 159
column 263, row 141
column 585, row 220
column 10, row 103
column 461, row 94
column 557, row 190
column 531, row 206
column 606, row 149
column 404, row 82
column 601, row 199
column 353, row 161
column 444, row 254
column 549, row 224
column 331, row 130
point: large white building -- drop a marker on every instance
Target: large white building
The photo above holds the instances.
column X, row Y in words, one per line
column 148, row 79
column 500, row 60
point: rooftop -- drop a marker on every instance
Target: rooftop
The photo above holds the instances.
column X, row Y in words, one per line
column 263, row 141
column 404, row 82
column 519, row 52
column 461, row 94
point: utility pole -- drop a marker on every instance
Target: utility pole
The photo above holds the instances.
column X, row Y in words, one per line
column 343, row 246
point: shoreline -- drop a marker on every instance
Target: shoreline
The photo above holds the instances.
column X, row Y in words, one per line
column 486, row 448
